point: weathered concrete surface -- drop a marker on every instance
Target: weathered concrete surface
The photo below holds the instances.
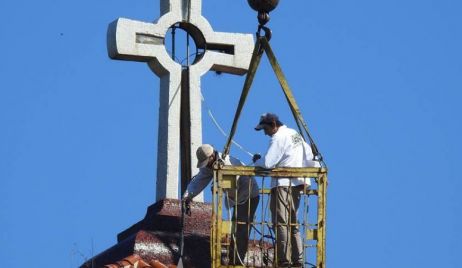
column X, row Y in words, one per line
column 144, row 41
column 156, row 237
column 165, row 216
column 156, row 245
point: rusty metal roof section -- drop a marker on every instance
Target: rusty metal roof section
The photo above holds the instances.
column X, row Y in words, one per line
column 165, row 216
column 156, row 237
column 153, row 242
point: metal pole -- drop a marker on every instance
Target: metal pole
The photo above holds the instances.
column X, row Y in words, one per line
column 185, row 130
column 173, row 42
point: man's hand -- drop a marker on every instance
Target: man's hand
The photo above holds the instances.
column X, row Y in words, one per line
column 187, row 196
column 185, row 205
column 256, row 157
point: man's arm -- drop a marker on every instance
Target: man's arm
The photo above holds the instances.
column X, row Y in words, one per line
column 198, row 183
column 272, row 157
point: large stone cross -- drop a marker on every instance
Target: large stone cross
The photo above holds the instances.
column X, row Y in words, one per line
column 143, row 41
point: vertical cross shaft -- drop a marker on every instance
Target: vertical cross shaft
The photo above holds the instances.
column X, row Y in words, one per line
column 144, row 42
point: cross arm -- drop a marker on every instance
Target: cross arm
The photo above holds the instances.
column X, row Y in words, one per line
column 231, row 52
column 137, row 41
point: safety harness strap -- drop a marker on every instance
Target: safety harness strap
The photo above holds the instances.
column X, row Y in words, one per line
column 261, row 45
column 254, row 62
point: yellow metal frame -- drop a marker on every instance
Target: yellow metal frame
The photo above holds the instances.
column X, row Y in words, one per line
column 224, row 178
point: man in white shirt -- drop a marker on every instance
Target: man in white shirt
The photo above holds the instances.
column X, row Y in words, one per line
column 244, row 199
column 287, row 149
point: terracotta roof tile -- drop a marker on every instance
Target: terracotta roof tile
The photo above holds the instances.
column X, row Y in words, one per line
column 135, row 261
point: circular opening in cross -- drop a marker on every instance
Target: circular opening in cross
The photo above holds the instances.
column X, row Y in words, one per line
column 185, row 43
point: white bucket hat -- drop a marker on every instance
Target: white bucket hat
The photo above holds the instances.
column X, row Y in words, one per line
column 203, row 154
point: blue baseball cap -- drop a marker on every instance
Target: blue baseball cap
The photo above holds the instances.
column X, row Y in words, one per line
column 267, row 119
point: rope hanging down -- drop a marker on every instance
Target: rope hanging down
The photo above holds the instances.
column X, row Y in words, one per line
column 220, row 129
column 262, row 45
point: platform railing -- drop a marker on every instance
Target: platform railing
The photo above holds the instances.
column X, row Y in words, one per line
column 262, row 252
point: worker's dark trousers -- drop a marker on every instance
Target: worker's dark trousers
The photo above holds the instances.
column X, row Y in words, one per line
column 243, row 213
column 284, row 205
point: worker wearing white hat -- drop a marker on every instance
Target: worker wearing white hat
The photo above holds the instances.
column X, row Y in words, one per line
column 244, row 204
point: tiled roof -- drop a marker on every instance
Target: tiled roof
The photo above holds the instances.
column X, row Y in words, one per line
column 135, row 261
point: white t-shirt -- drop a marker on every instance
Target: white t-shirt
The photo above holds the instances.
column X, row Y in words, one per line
column 287, row 149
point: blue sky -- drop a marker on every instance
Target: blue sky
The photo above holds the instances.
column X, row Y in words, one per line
column 379, row 83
